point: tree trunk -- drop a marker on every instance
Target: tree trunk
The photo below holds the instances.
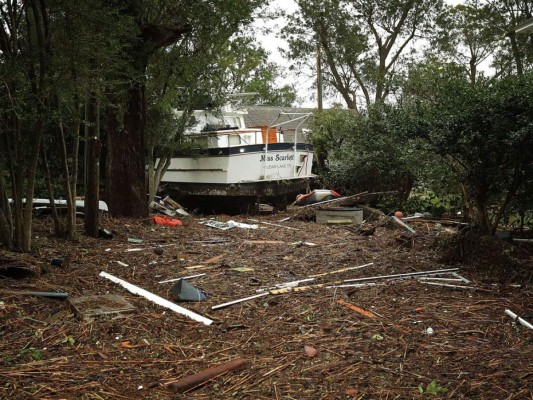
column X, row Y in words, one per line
column 93, row 170
column 126, row 192
column 155, row 173
column 516, row 54
column 69, row 182
column 32, row 170
column 126, row 183
column 6, row 223
column 55, row 216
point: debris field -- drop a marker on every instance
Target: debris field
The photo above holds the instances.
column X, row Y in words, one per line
column 389, row 337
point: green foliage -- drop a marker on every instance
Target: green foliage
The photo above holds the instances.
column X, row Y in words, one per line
column 465, row 35
column 485, row 134
column 436, row 205
column 432, row 389
column 32, row 351
column 364, row 153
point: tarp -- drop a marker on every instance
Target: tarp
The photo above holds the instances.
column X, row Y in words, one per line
column 161, row 220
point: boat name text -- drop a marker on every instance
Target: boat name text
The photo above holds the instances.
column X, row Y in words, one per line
column 278, row 157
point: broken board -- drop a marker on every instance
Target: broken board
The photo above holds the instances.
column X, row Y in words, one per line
column 89, row 307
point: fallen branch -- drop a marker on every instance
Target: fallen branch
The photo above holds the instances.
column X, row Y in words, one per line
column 195, row 380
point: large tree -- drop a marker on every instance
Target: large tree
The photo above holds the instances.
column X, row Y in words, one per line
column 159, row 25
column 515, row 53
column 466, row 35
column 362, row 43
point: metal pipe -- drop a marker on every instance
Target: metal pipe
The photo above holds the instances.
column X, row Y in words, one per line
column 421, row 273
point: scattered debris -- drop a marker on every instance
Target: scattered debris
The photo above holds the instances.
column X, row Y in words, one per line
column 59, row 262
column 230, row 303
column 338, row 271
column 50, row 295
column 520, row 320
column 89, row 307
column 14, row 267
column 448, row 285
column 184, row 291
column 430, row 331
column 242, row 269
column 193, row 381
column 166, row 221
column 235, row 224
column 406, row 275
column 316, row 196
column 134, row 240
column 310, row 351
column 263, row 242
column 276, row 225
column 224, row 226
column 122, row 264
column 403, row 224
column 339, row 215
column 356, row 309
column 156, row 299
column 105, row 233
column 518, row 240
column 214, row 260
column 285, row 285
column 184, row 277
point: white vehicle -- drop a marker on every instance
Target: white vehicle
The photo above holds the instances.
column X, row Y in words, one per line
column 241, row 166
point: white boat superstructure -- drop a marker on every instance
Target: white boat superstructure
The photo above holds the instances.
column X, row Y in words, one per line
column 239, row 161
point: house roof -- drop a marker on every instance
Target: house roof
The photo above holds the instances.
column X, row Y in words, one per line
column 265, row 115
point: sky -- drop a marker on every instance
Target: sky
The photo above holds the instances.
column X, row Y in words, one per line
column 267, row 33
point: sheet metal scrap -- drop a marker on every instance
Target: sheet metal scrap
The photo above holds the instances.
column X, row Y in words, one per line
column 90, row 307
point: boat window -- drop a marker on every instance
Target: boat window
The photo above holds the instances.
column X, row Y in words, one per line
column 233, row 121
column 234, row 140
column 247, row 139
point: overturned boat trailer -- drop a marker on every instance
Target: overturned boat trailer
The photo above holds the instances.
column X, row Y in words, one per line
column 240, row 167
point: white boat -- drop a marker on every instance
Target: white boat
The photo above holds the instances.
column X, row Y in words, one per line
column 239, row 167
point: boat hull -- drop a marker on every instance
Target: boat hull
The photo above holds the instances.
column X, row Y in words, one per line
column 241, row 176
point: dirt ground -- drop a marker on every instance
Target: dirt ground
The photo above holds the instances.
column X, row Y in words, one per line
column 383, row 349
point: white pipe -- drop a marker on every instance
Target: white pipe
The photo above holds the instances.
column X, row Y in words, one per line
column 446, row 285
column 421, row 273
column 522, row 321
column 285, row 285
column 239, row 301
column 460, row 277
column 185, row 277
column 436, row 278
column 156, row 299
column 354, row 285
